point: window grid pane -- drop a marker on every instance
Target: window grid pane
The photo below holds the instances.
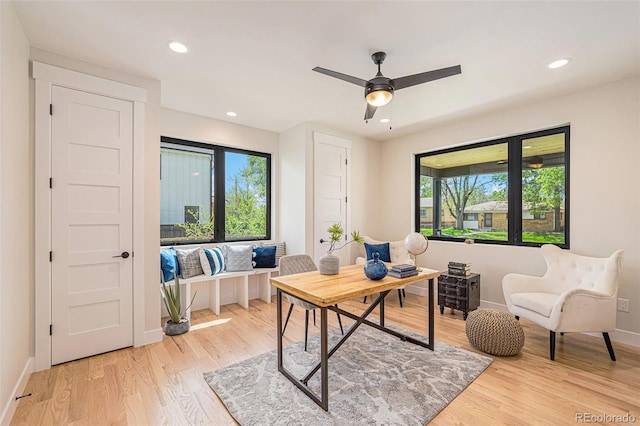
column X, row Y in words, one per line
column 246, row 196
column 509, row 191
column 543, row 189
column 190, row 184
column 185, row 196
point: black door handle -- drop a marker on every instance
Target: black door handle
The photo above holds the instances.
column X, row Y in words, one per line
column 124, row 255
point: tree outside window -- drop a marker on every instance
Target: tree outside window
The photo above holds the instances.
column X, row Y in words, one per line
column 508, row 191
column 190, row 184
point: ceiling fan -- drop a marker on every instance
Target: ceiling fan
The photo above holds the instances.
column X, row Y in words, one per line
column 379, row 90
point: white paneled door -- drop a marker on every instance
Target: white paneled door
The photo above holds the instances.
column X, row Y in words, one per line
column 91, row 237
column 330, row 189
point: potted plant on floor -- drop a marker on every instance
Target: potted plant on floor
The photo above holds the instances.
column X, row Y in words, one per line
column 330, row 264
column 177, row 323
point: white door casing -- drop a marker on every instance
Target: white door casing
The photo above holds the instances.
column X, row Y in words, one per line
column 91, row 210
column 46, row 77
column 331, row 191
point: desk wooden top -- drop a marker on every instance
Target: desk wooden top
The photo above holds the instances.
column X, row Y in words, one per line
column 351, row 282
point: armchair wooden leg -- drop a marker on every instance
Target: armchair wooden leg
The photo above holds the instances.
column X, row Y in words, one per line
column 552, row 345
column 287, row 320
column 607, row 341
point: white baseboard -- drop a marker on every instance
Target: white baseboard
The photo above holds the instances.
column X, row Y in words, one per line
column 11, row 405
column 420, row 291
column 152, row 336
column 485, row 304
column 626, row 337
column 620, row 336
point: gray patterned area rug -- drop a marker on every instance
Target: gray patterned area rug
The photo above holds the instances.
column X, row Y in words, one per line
column 374, row 378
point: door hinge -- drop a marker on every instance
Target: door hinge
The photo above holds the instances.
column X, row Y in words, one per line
column 50, row 329
column 346, row 162
column 50, row 256
column 50, row 109
column 50, row 182
column 345, row 199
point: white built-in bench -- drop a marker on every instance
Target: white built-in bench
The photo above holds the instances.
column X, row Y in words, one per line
column 239, row 279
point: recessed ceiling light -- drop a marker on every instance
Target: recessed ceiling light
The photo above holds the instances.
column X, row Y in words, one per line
column 385, row 120
column 178, row 47
column 559, row 63
column 232, row 114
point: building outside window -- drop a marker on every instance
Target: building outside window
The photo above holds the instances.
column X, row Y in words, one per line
column 507, row 191
column 190, row 184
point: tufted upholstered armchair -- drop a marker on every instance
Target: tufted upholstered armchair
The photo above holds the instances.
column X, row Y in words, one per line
column 576, row 294
column 397, row 252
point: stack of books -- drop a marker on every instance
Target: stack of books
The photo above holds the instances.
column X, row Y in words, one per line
column 403, row 271
column 460, row 268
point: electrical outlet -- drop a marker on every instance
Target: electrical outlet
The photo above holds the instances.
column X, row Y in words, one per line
column 623, row 305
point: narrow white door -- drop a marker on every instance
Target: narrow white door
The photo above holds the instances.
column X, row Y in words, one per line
column 330, row 189
column 91, row 238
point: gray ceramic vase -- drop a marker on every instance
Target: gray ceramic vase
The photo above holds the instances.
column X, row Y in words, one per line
column 329, row 264
column 173, row 329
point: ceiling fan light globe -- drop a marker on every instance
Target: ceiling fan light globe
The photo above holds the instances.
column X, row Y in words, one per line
column 379, row 98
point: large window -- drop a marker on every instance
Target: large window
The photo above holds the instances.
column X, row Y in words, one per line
column 507, row 191
column 210, row 193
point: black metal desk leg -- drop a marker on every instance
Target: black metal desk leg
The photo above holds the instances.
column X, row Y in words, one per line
column 382, row 312
column 324, row 358
column 279, row 327
column 431, row 316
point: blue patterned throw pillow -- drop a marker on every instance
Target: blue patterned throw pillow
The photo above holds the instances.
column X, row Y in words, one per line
column 216, row 260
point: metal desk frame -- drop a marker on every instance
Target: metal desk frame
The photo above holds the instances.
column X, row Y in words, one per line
column 325, row 353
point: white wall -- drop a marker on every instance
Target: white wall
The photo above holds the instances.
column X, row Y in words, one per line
column 198, row 128
column 16, row 213
column 292, row 177
column 296, row 185
column 604, row 186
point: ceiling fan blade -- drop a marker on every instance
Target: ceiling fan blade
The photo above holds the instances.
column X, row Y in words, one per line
column 371, row 110
column 355, row 80
column 424, row 77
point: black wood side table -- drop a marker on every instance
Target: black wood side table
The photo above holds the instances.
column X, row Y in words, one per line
column 459, row 292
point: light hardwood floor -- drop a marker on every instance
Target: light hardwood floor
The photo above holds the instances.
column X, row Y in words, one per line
column 162, row 383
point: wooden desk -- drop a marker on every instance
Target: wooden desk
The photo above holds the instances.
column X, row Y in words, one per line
column 326, row 291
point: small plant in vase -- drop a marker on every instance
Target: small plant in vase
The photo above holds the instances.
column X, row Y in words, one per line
column 177, row 323
column 330, row 263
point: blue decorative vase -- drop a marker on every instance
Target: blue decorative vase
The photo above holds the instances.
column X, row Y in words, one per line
column 375, row 269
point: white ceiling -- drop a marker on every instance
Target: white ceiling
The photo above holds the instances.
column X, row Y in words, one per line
column 255, row 58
